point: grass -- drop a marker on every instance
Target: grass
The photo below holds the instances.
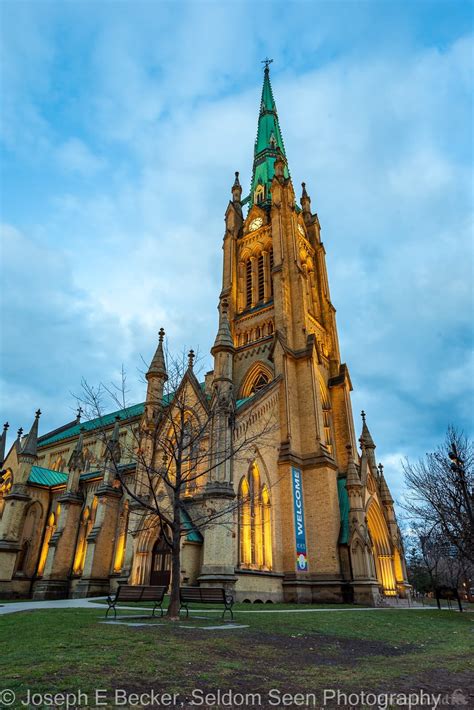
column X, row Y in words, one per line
column 64, row 650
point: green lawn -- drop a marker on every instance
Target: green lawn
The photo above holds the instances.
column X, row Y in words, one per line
column 381, row 650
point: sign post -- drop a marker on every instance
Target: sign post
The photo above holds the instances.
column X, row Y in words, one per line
column 300, row 534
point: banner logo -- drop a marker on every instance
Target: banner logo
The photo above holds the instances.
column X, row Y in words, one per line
column 300, row 535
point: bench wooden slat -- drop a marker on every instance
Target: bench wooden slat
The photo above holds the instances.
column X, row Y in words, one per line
column 126, row 592
column 153, row 593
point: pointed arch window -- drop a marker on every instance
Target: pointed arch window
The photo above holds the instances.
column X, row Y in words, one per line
column 260, row 382
column 119, row 556
column 50, row 530
column 259, row 194
column 255, row 535
column 261, row 278
column 87, row 521
column 248, row 284
column 5, row 488
column 270, row 275
column 326, row 412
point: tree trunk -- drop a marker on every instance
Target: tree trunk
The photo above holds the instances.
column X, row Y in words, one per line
column 174, row 603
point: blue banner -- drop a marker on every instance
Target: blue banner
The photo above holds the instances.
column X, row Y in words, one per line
column 300, row 535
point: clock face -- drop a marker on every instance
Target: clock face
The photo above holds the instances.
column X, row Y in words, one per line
column 301, row 230
column 255, row 224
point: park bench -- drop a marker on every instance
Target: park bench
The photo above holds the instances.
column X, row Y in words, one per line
column 206, row 595
column 137, row 593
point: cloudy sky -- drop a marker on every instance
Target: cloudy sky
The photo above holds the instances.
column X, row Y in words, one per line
column 122, row 125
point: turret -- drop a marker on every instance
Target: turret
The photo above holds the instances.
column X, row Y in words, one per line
column 113, row 454
column 305, row 202
column 156, row 378
column 27, row 454
column 236, row 190
column 223, row 348
column 76, row 464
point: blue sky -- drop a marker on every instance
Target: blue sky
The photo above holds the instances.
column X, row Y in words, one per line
column 122, row 124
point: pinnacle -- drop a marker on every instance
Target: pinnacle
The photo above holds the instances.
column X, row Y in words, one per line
column 158, row 366
column 31, row 443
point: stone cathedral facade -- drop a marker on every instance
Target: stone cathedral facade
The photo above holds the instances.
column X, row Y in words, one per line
column 315, row 519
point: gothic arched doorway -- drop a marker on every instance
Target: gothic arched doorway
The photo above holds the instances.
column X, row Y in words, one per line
column 160, row 573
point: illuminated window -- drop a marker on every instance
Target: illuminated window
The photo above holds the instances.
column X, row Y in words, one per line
column 121, row 538
column 87, row 521
column 261, row 278
column 270, row 275
column 248, row 281
column 5, row 488
column 260, row 382
column 259, row 194
column 50, row 529
column 255, row 534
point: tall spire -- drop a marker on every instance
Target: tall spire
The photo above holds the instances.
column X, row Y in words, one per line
column 268, row 144
column 31, row 443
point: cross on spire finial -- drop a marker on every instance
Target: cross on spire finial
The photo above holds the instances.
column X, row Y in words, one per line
column 267, row 63
column 191, row 358
column 79, row 413
column 38, row 413
column 362, row 414
column 20, row 432
column 161, row 334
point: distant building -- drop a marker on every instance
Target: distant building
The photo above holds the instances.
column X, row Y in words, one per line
column 316, row 520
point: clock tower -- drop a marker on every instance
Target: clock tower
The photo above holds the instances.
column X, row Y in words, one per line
column 279, row 316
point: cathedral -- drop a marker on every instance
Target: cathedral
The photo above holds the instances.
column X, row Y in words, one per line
column 313, row 519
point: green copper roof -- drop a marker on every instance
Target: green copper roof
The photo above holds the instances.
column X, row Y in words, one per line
column 193, row 533
column 135, row 410
column 46, row 477
column 268, row 144
column 344, row 511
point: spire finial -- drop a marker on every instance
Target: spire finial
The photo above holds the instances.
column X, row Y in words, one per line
column 267, row 63
column 6, row 426
column 37, row 413
column 161, row 335
column 19, row 433
column 79, row 414
column 362, row 414
column 191, row 356
column 380, row 467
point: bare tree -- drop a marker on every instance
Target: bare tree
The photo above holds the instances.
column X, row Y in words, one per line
column 441, row 493
column 186, row 442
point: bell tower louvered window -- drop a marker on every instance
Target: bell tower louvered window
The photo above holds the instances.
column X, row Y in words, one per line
column 248, row 284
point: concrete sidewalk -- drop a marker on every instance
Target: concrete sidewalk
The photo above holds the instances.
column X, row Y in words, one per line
column 92, row 603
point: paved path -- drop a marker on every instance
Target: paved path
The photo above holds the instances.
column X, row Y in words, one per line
column 92, row 603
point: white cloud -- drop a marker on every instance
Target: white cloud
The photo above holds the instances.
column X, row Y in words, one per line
column 73, row 155
column 167, row 112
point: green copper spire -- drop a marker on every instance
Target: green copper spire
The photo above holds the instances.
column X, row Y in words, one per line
column 268, row 144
